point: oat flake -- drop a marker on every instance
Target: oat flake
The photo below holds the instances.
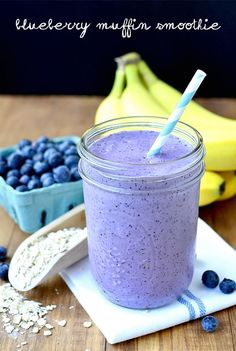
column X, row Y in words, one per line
column 87, row 324
column 47, row 333
column 62, row 323
column 49, row 326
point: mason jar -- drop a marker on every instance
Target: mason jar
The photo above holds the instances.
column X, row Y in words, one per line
column 141, row 216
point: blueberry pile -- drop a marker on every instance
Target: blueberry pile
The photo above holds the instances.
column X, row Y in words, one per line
column 4, row 267
column 40, row 164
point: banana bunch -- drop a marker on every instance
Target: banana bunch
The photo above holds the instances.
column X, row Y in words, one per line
column 137, row 91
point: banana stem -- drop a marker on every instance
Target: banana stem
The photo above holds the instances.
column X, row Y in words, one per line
column 119, row 82
column 131, row 57
column 148, row 76
column 132, row 75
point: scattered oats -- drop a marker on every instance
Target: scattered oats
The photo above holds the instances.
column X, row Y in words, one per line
column 62, row 323
column 18, row 346
column 35, row 330
column 16, row 319
column 47, row 333
column 41, row 322
column 49, row 326
column 9, row 329
column 87, row 324
column 24, row 343
column 70, row 308
column 43, row 250
column 19, row 312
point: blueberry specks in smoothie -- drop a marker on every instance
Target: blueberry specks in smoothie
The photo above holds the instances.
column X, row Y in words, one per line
column 149, row 221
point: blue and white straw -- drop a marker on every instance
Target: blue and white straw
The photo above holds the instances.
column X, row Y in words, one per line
column 176, row 114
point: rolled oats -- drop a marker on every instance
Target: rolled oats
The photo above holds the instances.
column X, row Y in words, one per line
column 42, row 250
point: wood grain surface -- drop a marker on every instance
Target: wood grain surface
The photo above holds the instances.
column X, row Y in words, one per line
column 57, row 116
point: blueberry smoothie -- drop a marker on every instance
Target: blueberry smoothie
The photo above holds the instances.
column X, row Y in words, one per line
column 141, row 216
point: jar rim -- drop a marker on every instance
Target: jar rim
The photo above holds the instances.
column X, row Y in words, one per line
column 139, row 121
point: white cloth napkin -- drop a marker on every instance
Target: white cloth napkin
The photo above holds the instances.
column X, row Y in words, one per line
column 120, row 324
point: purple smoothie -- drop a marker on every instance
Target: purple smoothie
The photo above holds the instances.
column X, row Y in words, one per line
column 141, row 218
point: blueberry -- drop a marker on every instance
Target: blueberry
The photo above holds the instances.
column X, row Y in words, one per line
column 3, row 253
column 29, row 161
column 34, row 184
column 46, row 175
column 26, row 169
column 38, row 157
column 41, row 167
column 12, row 181
column 22, row 188
column 61, row 174
column 209, row 324
column 24, row 142
column 4, row 268
column 210, row 279
column 72, row 150
column 3, row 158
column 48, row 152
column 75, row 174
column 42, row 139
column 55, row 159
column 42, row 147
column 227, row 286
column 15, row 160
column 24, row 179
column 3, row 168
column 52, row 145
column 48, row 181
column 34, row 146
column 13, row 172
column 71, row 161
column 27, row 151
column 65, row 145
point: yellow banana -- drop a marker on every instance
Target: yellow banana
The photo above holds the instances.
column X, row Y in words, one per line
column 220, row 149
column 168, row 97
column 136, row 99
column 230, row 185
column 111, row 107
column 212, row 186
column 219, row 133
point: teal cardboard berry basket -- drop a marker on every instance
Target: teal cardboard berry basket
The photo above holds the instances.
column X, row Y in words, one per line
column 33, row 209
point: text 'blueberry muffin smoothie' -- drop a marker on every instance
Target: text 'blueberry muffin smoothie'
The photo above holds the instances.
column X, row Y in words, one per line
column 141, row 212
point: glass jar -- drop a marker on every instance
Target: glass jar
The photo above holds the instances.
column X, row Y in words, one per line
column 141, row 217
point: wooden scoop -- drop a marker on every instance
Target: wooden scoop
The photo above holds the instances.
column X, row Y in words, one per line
column 74, row 218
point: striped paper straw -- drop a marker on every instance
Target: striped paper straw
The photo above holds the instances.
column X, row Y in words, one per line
column 176, row 114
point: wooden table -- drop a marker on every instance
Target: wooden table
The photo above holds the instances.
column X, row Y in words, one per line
column 56, row 116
